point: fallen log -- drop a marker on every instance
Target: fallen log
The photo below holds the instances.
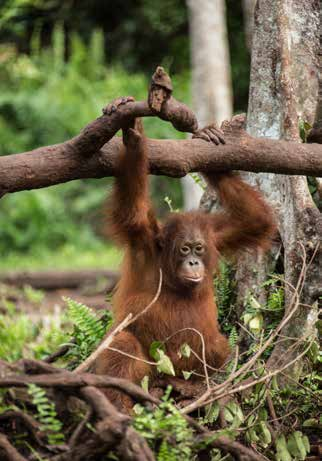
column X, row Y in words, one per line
column 54, row 280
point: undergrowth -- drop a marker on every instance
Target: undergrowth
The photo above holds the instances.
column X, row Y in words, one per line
column 248, row 416
column 46, row 414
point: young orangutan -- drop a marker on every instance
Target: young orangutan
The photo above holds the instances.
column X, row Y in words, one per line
column 186, row 248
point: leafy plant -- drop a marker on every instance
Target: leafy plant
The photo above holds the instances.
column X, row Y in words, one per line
column 46, row 415
column 223, row 285
column 233, row 337
column 88, row 329
column 166, row 431
column 15, row 334
column 295, row 447
column 163, row 361
column 52, row 92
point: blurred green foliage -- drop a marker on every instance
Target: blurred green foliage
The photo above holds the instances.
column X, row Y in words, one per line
column 59, row 64
column 140, row 34
column 44, row 100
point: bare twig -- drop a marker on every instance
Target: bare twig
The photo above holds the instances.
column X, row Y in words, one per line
column 80, row 428
column 266, row 377
column 10, row 452
column 203, row 345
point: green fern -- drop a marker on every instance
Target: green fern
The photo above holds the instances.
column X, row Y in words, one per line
column 165, row 452
column 233, row 337
column 88, row 329
column 46, row 415
column 275, row 301
column 223, row 288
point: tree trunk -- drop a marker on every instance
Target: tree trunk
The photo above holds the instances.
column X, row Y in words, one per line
column 248, row 9
column 211, row 79
column 316, row 132
column 283, row 90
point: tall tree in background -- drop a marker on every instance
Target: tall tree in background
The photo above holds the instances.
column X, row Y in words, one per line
column 248, row 10
column 283, row 93
column 211, row 79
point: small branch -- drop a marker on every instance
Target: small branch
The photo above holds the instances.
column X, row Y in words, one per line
column 10, row 452
column 59, row 353
column 268, row 376
column 272, row 412
column 79, row 429
column 203, row 346
column 29, row 422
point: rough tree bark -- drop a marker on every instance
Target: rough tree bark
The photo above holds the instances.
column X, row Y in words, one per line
column 211, row 79
column 248, row 10
column 64, row 162
column 283, row 90
column 316, row 133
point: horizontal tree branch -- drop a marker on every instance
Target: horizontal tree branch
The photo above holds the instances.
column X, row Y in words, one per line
column 95, row 151
column 67, row 379
column 64, row 162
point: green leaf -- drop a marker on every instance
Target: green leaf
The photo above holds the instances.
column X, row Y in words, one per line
column 247, row 318
column 145, row 383
column 185, row 350
column 233, row 413
column 153, row 351
column 274, row 384
column 138, row 409
column 212, row 413
column 264, row 434
column 282, row 453
column 252, row 436
column 164, row 364
column 256, row 323
column 306, row 443
column 296, row 446
column 254, row 303
column 187, row 374
column 311, row 422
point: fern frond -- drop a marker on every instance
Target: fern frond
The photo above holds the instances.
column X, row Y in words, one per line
column 46, row 415
column 223, row 288
column 233, row 337
column 88, row 328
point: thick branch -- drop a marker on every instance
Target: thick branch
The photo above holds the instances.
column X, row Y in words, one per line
column 51, row 165
column 72, row 380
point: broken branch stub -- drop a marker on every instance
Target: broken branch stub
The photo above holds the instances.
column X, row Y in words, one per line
column 165, row 106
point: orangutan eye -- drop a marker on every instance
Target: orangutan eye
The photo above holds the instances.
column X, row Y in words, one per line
column 199, row 249
column 185, row 250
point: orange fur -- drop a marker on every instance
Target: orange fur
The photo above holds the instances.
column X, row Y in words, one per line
column 246, row 223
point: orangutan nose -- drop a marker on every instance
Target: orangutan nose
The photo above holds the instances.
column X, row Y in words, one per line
column 194, row 262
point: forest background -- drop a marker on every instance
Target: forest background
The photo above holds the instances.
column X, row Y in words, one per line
column 60, row 62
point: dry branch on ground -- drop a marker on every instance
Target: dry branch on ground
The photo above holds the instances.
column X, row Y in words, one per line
column 113, row 429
